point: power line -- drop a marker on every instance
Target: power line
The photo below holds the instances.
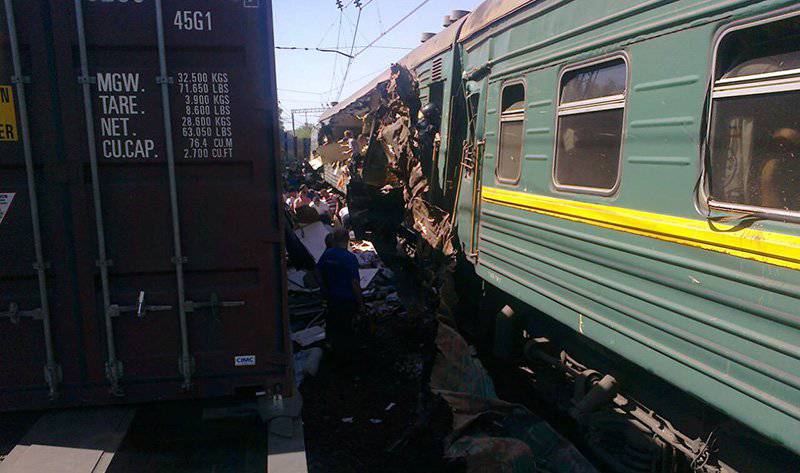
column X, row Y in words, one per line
column 330, row 27
column 321, row 50
column 351, row 81
column 309, row 92
column 375, row 47
column 380, row 20
column 352, row 48
column 338, row 43
column 367, row 75
column 392, row 27
column 352, row 25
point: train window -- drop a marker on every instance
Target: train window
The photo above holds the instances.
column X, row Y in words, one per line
column 590, row 121
column 512, row 117
column 754, row 143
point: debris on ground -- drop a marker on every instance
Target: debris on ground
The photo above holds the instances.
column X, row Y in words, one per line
column 309, row 336
column 306, row 363
column 313, row 238
column 489, row 433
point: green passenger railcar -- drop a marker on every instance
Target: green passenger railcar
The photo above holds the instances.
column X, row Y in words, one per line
column 637, row 181
column 632, row 170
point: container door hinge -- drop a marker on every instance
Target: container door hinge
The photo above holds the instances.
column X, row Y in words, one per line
column 165, row 80
column 53, row 376
column 20, row 80
column 186, row 368
column 214, row 304
column 114, row 373
column 14, row 314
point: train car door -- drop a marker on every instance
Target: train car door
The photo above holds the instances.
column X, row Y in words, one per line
column 472, row 168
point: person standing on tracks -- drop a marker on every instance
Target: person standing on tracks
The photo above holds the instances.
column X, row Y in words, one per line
column 341, row 285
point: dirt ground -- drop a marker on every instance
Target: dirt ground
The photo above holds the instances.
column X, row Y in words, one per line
column 379, row 438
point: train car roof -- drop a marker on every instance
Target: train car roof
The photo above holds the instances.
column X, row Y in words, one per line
column 489, row 12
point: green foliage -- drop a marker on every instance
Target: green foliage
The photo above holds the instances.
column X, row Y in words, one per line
column 304, row 131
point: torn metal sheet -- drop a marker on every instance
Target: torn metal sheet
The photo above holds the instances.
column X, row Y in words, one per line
column 488, row 433
column 332, row 152
column 391, row 198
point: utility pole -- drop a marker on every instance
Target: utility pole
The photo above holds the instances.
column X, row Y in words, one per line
column 294, row 138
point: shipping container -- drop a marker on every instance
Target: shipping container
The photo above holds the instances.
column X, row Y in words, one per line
column 140, row 238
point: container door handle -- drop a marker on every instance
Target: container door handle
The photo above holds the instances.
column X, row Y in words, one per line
column 214, row 304
column 14, row 314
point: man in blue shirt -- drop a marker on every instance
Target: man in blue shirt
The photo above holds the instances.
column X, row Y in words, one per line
column 341, row 285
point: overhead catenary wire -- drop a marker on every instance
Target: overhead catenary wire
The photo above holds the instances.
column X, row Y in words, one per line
column 369, row 74
column 309, row 92
column 353, row 26
column 351, row 81
column 325, row 36
column 322, row 50
column 352, row 48
column 380, row 20
column 338, row 43
column 377, row 46
column 395, row 25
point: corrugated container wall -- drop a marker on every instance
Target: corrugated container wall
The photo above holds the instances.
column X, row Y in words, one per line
column 140, row 244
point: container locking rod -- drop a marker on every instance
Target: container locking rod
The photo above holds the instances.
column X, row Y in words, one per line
column 52, row 371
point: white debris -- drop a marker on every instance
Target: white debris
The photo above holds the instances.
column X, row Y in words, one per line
column 306, row 363
column 367, row 275
column 313, row 238
column 309, row 336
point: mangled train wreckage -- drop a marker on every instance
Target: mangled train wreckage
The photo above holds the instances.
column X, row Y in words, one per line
column 620, row 173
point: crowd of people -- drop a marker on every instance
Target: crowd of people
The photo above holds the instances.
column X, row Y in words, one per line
column 308, row 198
column 310, row 205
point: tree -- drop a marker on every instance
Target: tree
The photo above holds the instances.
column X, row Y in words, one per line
column 304, row 131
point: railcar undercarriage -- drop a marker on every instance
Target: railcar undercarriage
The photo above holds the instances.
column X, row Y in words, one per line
column 619, row 414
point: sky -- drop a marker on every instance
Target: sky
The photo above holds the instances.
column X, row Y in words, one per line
column 311, row 79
